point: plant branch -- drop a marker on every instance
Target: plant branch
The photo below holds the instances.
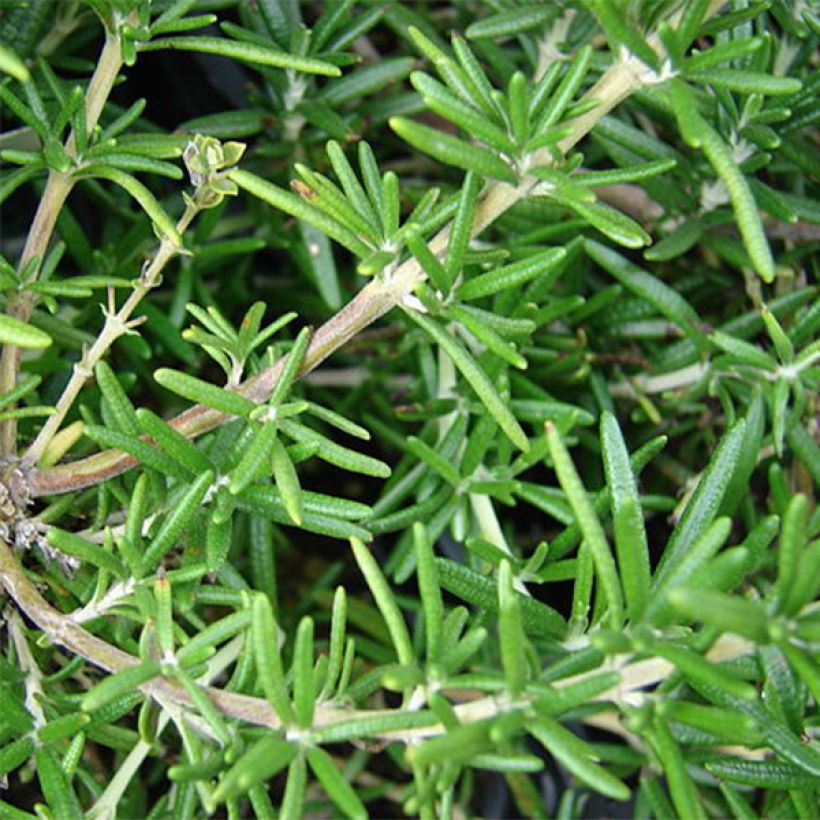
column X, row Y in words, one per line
column 58, row 187
column 64, row 631
column 371, row 303
column 116, row 325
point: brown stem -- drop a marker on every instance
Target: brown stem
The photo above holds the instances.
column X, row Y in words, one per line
column 371, row 303
column 635, row 676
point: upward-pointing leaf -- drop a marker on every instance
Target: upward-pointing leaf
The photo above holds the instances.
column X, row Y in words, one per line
column 630, row 535
column 453, row 151
column 705, row 502
column 588, row 522
column 475, row 376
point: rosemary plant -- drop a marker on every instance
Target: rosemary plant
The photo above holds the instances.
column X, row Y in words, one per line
column 541, row 535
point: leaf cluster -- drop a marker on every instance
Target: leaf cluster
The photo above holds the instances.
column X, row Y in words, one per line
column 550, row 507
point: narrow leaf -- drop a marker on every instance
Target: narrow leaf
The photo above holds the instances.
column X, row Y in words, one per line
column 476, row 378
column 453, row 151
column 588, row 522
column 244, row 52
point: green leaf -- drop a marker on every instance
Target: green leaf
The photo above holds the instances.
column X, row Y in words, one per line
column 511, row 22
column 459, row 745
column 56, row 788
column 619, row 30
column 518, row 105
column 630, row 173
column 724, row 612
column 476, row 83
column 172, row 442
column 475, row 376
column 137, row 164
column 428, row 260
column 682, row 788
column 264, row 634
column 319, row 257
column 338, row 624
column 87, row 551
column 21, row 334
column 743, row 351
column 244, row 52
column 511, row 276
column 215, row 633
column 806, row 449
column 577, row 757
column 570, row 83
column 386, row 602
column 338, row 421
column 434, row 460
column 304, row 695
column 699, row 134
column 700, row 670
column 704, row 503
column 719, row 722
column 690, row 22
column 255, row 459
column 461, row 229
column 765, row 774
column 477, row 589
column 746, row 82
column 323, row 194
column 790, row 555
column 804, row 665
column 335, row 784
column 667, row 301
column 486, row 335
column 630, row 535
column 297, row 207
column 201, row 392
column 205, row 706
column 689, row 564
column 453, row 151
column 676, row 243
column 259, row 763
column 120, row 683
column 334, row 453
column 146, row 200
column 588, row 522
column 294, row 795
column 366, row 80
column 429, row 591
column 121, row 408
column 11, row 64
column 473, row 121
column 175, row 523
column 287, row 482
column 150, row 456
column 510, row 631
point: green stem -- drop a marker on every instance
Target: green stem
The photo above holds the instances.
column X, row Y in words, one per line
column 58, row 187
column 116, row 325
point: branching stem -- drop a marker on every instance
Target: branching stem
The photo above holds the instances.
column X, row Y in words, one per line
column 58, row 187
column 62, row 630
column 371, row 303
column 116, row 325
